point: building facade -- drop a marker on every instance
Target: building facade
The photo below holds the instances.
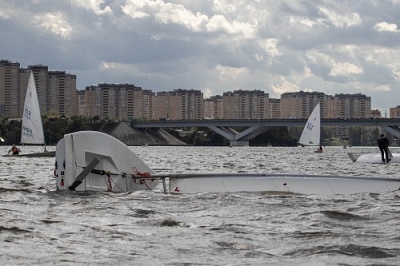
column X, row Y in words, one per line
column 274, row 108
column 243, row 104
column 351, row 106
column 394, row 112
column 10, row 89
column 213, row 107
column 116, row 101
column 299, row 105
column 179, row 104
column 61, row 94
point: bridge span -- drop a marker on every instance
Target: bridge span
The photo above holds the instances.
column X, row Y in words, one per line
column 254, row 127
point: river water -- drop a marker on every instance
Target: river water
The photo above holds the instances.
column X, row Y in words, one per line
column 40, row 225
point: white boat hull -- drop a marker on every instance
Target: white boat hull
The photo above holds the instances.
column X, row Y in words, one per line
column 118, row 168
column 275, row 183
column 38, row 154
column 373, row 158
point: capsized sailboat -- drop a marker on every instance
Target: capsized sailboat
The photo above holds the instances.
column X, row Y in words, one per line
column 311, row 135
column 373, row 158
column 32, row 127
column 95, row 161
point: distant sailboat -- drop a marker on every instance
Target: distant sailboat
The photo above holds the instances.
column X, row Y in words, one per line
column 311, row 135
column 32, row 127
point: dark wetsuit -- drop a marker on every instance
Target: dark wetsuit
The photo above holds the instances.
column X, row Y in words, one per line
column 383, row 144
column 14, row 150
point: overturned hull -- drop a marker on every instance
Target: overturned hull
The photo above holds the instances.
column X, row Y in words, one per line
column 373, row 158
column 95, row 161
column 301, row 184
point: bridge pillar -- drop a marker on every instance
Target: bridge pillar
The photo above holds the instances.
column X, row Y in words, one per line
column 240, row 143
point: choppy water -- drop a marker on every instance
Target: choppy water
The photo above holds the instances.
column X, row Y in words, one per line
column 39, row 225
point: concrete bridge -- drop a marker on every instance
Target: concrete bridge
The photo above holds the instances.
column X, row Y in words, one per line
column 254, row 127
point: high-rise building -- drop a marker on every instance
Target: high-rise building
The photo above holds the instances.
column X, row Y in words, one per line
column 148, row 105
column 243, row 104
column 274, row 108
column 352, row 106
column 10, row 90
column 80, row 103
column 115, row 101
column 213, row 107
column 179, row 104
column 61, row 93
column 299, row 105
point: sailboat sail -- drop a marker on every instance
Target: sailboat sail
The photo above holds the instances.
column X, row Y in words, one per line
column 312, row 130
column 32, row 128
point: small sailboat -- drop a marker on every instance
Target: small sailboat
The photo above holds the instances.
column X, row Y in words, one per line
column 311, row 135
column 32, row 127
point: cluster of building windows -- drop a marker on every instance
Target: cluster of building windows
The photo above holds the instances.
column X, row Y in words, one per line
column 58, row 96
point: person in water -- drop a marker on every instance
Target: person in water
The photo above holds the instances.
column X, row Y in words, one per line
column 14, row 150
column 383, row 144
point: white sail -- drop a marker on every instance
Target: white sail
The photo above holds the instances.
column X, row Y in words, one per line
column 312, row 130
column 32, row 127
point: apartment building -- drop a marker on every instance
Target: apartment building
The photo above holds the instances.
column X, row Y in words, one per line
column 80, row 108
column 394, row 112
column 299, row 105
column 61, row 94
column 10, row 92
column 213, row 107
column 148, row 105
column 179, row 104
column 114, row 101
column 243, row 104
column 274, row 108
column 351, row 106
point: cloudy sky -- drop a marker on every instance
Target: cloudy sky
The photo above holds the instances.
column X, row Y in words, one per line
column 330, row 46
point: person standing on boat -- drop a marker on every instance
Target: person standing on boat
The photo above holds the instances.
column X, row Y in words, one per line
column 14, row 150
column 383, row 144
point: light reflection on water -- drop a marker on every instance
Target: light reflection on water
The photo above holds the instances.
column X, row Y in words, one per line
column 39, row 225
